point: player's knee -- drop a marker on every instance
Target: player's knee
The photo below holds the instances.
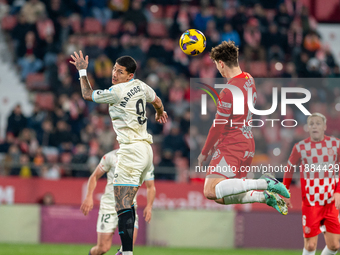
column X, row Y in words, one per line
column 311, row 246
column 333, row 246
column 104, row 248
column 209, row 194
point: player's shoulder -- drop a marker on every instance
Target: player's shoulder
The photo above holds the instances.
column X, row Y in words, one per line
column 110, row 155
column 333, row 139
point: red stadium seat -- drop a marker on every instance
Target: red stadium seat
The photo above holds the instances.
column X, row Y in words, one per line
column 258, row 69
column 45, row 100
column 113, row 26
column 8, row 22
column 157, row 29
column 155, row 10
column 92, row 25
column 36, row 81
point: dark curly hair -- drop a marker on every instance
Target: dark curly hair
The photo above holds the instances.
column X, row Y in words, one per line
column 227, row 52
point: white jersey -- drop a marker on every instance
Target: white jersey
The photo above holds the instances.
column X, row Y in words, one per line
column 108, row 164
column 127, row 109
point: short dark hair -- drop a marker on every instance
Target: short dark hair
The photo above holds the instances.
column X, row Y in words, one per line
column 128, row 62
column 226, row 52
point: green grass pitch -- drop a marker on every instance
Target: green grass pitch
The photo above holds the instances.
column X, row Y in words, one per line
column 65, row 249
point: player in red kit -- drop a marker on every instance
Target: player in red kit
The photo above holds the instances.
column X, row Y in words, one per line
column 317, row 159
column 235, row 143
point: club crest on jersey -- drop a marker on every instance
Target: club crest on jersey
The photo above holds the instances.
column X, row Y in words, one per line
column 307, row 230
column 308, row 153
column 216, row 154
column 330, row 152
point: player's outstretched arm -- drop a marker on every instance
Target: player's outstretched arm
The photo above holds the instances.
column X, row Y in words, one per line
column 81, row 64
column 161, row 115
column 87, row 204
column 150, row 197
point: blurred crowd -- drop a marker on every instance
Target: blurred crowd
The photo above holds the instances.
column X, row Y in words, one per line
column 67, row 136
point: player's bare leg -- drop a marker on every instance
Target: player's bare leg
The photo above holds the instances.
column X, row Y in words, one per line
column 310, row 245
column 332, row 244
column 124, row 196
column 104, row 241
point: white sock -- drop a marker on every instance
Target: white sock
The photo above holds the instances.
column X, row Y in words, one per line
column 305, row 252
column 327, row 251
column 236, row 186
column 121, row 249
column 245, row 198
column 127, row 253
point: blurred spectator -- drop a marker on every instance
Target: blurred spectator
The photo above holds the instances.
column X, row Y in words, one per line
column 137, row 16
column 175, row 141
column 112, row 49
column 45, row 26
column 312, row 43
column 25, row 170
column 100, row 10
column 27, row 141
column 295, row 37
column 50, row 173
column 80, row 157
column 62, row 134
column 294, row 7
column 28, row 53
column 220, row 19
column 103, row 71
column 282, row 19
column 19, row 33
column 16, row 122
column 274, row 43
column 230, row 35
column 202, row 18
column 252, row 37
column 47, row 137
column 239, row 20
column 92, row 50
column 260, row 15
column 32, row 9
column 119, row 6
column 167, row 166
column 66, row 86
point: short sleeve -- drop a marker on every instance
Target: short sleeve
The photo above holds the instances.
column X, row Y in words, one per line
column 150, row 94
column 150, row 174
column 224, row 106
column 106, row 96
column 107, row 162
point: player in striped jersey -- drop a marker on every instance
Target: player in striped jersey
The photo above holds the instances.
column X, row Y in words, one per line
column 127, row 100
column 317, row 159
column 107, row 217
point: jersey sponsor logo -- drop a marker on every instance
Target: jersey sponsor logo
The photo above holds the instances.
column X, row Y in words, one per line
column 216, row 154
column 330, row 152
column 99, row 92
column 224, row 105
column 132, row 92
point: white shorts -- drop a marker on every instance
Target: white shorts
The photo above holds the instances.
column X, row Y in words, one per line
column 108, row 222
column 134, row 160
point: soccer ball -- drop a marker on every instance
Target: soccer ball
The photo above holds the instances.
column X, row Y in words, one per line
column 192, row 42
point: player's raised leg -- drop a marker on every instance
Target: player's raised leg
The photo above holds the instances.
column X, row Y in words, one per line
column 216, row 187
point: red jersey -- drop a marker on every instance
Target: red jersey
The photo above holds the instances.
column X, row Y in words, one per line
column 317, row 162
column 236, row 128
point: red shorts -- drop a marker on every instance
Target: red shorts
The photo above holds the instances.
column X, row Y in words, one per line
column 313, row 217
column 232, row 160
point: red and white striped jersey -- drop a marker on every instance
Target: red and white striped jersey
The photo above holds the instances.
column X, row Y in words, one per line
column 318, row 163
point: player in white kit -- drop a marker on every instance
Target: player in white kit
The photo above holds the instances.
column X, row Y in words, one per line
column 107, row 217
column 127, row 100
